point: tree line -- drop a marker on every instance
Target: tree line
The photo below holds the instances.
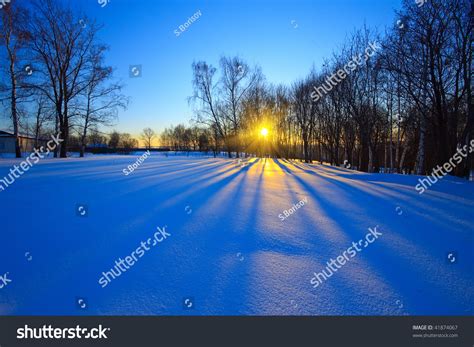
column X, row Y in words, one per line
column 406, row 108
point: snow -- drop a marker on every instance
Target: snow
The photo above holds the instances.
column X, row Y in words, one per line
column 228, row 251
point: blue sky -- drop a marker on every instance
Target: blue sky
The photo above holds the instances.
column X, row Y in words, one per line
column 285, row 38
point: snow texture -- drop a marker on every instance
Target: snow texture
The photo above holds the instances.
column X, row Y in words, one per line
column 229, row 252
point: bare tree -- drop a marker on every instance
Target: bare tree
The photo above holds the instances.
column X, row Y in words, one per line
column 14, row 38
column 114, row 140
column 305, row 112
column 42, row 114
column 100, row 100
column 211, row 111
column 64, row 51
column 147, row 136
column 236, row 81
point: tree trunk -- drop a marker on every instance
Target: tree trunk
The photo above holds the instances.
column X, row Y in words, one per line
column 16, row 121
column 306, row 149
column 370, row 166
column 402, row 159
column 64, row 136
column 420, row 159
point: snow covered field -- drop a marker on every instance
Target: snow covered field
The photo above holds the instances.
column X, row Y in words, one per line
column 65, row 222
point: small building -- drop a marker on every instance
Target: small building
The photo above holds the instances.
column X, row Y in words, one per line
column 27, row 143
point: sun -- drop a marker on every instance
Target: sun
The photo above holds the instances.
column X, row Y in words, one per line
column 264, row 132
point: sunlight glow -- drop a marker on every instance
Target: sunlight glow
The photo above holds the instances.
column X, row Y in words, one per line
column 264, row 132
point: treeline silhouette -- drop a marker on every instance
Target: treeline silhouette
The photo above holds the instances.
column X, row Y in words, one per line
column 408, row 108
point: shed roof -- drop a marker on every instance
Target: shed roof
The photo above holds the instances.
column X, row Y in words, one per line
column 9, row 134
